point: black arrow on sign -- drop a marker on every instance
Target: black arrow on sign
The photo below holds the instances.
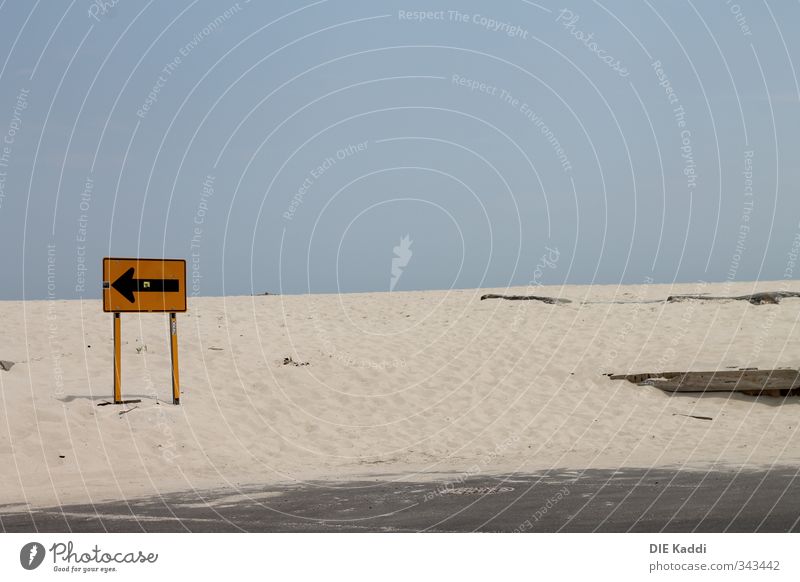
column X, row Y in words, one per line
column 126, row 285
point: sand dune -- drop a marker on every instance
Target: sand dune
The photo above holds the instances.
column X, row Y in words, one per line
column 396, row 384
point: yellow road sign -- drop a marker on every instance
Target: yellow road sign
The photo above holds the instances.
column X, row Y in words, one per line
column 150, row 285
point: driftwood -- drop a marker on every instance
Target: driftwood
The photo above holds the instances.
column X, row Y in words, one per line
column 780, row 382
column 767, row 298
column 550, row 300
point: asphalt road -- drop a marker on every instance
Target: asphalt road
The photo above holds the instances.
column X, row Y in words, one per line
column 572, row 501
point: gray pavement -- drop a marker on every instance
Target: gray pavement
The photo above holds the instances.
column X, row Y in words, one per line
column 636, row 500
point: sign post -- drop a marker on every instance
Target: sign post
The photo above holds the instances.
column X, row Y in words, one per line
column 176, row 383
column 117, row 359
column 144, row 286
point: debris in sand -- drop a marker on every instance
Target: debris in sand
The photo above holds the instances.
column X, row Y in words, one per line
column 107, row 403
column 549, row 300
column 290, row 362
column 6, row 365
column 692, row 416
column 766, row 298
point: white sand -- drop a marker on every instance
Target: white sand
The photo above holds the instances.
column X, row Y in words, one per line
column 400, row 384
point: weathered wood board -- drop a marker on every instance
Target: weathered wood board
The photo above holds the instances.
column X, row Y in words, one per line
column 771, row 382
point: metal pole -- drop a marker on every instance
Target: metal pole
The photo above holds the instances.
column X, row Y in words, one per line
column 117, row 359
column 176, row 384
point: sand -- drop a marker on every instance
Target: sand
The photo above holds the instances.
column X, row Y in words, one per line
column 398, row 385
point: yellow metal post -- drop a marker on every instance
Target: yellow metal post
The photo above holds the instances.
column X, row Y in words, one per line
column 176, row 384
column 117, row 359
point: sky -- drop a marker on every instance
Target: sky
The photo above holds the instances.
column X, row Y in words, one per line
column 341, row 146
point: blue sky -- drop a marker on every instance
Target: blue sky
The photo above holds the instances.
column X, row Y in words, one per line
column 290, row 147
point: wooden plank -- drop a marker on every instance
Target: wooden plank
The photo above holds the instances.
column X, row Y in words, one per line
column 751, row 381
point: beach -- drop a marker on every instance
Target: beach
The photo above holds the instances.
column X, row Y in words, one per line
column 403, row 385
